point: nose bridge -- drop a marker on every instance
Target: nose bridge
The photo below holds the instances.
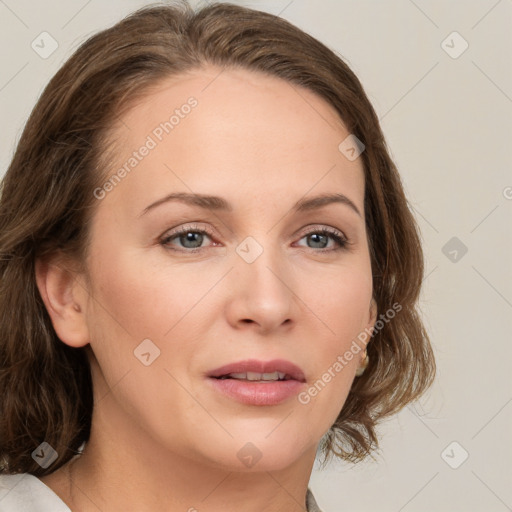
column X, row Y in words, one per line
column 262, row 282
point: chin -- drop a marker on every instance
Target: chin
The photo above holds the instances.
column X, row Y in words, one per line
column 258, row 452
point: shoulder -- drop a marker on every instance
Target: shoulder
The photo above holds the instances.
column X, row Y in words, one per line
column 24, row 492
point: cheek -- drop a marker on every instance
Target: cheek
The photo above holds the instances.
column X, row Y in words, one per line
column 141, row 300
column 135, row 302
column 342, row 307
column 342, row 301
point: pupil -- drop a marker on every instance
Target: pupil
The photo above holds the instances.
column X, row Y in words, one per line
column 316, row 235
column 191, row 237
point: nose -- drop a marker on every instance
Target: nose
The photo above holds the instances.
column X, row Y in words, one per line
column 261, row 293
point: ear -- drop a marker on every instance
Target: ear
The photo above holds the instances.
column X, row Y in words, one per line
column 65, row 297
column 373, row 313
column 372, row 318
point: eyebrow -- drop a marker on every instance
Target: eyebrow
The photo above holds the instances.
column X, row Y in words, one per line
column 220, row 204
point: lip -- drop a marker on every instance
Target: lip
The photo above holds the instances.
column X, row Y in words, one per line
column 257, row 392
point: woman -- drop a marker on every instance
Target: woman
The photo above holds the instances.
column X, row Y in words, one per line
column 209, row 271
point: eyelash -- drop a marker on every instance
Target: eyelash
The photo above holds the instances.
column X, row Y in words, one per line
column 336, row 235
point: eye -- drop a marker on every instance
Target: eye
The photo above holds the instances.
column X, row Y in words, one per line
column 191, row 238
column 320, row 238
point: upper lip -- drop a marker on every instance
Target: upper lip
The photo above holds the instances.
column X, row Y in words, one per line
column 254, row 365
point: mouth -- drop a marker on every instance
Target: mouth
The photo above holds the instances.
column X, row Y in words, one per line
column 254, row 376
column 253, row 382
column 262, row 371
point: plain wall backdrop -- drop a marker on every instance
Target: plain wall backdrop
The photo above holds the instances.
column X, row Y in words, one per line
column 440, row 78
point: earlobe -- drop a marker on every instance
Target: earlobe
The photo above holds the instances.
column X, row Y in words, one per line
column 64, row 298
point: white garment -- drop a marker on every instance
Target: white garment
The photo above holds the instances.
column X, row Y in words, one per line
column 24, row 492
column 311, row 504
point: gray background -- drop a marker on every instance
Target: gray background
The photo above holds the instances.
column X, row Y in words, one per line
column 448, row 122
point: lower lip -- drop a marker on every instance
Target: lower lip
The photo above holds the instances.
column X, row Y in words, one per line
column 257, row 393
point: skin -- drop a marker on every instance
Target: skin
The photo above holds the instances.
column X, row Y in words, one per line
column 161, row 438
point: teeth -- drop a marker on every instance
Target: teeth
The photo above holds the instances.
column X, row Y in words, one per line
column 238, row 376
column 258, row 376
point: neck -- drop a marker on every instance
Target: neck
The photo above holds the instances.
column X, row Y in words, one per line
column 119, row 483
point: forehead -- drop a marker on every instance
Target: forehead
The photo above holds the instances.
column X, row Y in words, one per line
column 218, row 131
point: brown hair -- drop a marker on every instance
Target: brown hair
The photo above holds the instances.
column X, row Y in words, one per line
column 47, row 199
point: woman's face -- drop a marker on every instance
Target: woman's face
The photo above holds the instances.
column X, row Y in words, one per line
column 250, row 277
